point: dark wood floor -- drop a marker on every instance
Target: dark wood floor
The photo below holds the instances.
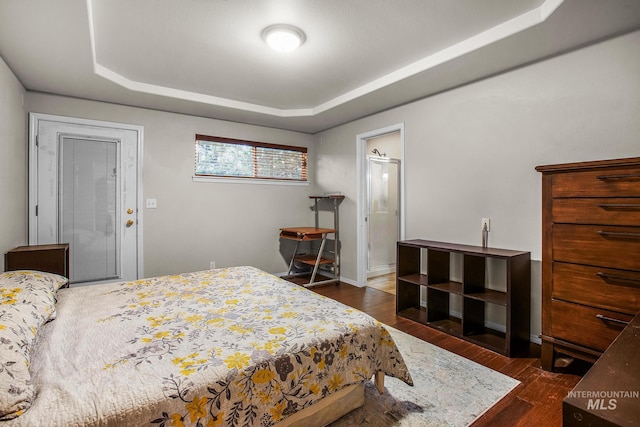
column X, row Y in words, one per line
column 537, row 401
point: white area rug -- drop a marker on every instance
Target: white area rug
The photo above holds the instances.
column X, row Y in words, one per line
column 449, row 390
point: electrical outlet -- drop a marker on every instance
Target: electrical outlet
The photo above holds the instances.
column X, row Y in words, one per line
column 212, row 265
column 486, row 222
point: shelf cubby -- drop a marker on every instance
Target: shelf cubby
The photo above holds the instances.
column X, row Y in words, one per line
column 464, row 308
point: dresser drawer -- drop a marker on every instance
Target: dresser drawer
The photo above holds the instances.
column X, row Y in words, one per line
column 618, row 211
column 586, row 326
column 616, row 290
column 601, row 246
column 618, row 182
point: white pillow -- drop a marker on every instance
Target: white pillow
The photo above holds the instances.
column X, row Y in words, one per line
column 27, row 301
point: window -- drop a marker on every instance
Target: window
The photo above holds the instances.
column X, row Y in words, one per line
column 233, row 158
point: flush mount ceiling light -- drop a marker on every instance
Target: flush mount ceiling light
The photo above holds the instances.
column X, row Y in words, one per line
column 283, row 37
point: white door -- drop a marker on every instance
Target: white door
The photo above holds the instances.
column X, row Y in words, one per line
column 84, row 190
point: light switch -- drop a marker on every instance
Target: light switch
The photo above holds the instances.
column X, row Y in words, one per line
column 152, row 203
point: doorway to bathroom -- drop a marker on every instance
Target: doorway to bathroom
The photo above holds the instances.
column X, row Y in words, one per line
column 382, row 214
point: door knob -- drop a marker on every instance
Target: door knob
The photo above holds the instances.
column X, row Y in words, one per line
column 129, row 211
column 129, row 223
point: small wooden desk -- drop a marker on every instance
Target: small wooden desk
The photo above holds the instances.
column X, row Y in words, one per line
column 308, row 234
column 304, row 233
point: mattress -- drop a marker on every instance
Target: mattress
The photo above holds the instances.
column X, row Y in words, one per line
column 232, row 347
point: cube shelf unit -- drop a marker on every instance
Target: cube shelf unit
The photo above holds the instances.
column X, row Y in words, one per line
column 474, row 292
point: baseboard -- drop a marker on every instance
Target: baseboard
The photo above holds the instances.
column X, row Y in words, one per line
column 382, row 271
column 342, row 279
column 351, row 282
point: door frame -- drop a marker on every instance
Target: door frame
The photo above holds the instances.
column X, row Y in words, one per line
column 361, row 173
column 34, row 119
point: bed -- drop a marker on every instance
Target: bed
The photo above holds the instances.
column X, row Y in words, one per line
column 225, row 347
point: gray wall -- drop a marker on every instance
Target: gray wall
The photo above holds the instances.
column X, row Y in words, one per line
column 13, row 162
column 471, row 152
column 199, row 222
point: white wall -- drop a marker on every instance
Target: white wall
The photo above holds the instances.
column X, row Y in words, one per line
column 471, row 152
column 13, row 162
column 196, row 222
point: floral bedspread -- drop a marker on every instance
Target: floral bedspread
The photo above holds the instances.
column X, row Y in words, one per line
column 228, row 347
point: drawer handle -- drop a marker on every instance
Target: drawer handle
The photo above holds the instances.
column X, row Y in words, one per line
column 615, row 277
column 615, row 234
column 620, row 205
column 611, row 319
column 626, row 176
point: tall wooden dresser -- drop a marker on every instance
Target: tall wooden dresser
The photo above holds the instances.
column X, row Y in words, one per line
column 590, row 255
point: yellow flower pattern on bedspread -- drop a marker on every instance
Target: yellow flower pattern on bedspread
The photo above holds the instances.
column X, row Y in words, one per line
column 238, row 346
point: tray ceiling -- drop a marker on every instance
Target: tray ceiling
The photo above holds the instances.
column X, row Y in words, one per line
column 206, row 57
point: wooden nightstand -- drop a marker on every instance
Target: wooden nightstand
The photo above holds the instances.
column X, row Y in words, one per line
column 48, row 258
